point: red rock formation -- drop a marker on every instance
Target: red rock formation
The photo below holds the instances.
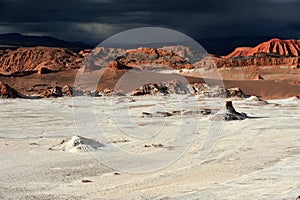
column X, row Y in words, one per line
column 256, row 61
column 38, row 59
column 46, row 60
column 152, row 58
column 287, row 48
column 274, row 52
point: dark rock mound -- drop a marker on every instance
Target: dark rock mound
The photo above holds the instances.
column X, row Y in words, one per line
column 7, row 92
column 230, row 114
column 165, row 88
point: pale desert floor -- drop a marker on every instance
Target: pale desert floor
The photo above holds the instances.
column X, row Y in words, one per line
column 255, row 158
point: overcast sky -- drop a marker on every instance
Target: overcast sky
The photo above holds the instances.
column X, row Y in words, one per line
column 91, row 21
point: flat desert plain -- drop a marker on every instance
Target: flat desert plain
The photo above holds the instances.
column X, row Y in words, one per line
column 255, row 158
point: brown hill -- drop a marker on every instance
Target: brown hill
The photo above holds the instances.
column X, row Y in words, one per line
column 42, row 59
column 287, row 48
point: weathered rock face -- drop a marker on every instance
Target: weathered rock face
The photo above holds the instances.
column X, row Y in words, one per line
column 277, row 47
column 152, row 57
column 116, row 58
column 257, row 60
column 205, row 90
column 101, row 57
column 186, row 52
column 170, row 87
column 46, row 59
column 177, row 87
column 271, row 53
column 38, row 59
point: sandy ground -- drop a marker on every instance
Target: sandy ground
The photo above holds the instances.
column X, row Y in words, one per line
column 252, row 159
column 278, row 83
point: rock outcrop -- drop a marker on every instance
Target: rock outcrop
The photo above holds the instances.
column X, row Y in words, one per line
column 8, row 92
column 165, row 88
column 177, row 87
column 230, row 114
column 257, row 60
column 64, row 91
column 77, row 144
column 46, row 59
column 38, row 59
column 153, row 58
column 190, row 113
column 204, row 90
column 274, row 52
column 275, row 47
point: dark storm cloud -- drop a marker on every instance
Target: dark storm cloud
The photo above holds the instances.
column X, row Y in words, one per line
column 93, row 20
column 89, row 11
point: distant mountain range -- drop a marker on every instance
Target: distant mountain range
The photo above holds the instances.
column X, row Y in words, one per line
column 15, row 40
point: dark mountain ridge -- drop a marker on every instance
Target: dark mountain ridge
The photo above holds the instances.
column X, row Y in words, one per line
column 15, row 40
